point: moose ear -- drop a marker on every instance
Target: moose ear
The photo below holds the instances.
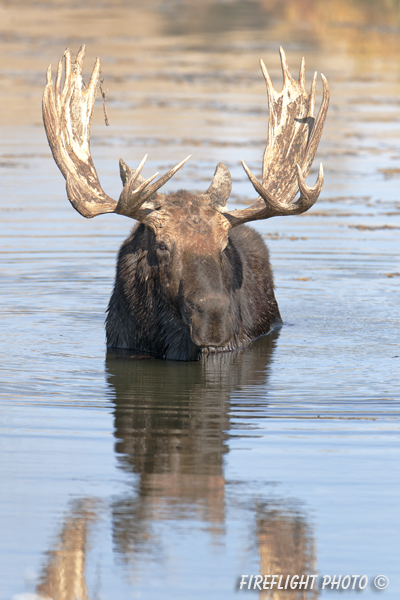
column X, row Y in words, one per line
column 221, row 186
column 126, row 172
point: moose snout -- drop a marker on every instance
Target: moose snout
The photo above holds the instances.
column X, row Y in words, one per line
column 210, row 321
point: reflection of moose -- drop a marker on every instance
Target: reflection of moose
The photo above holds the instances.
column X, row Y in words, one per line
column 191, row 279
column 63, row 576
column 172, row 423
column 286, row 547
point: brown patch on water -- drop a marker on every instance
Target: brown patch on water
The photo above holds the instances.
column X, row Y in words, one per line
column 373, row 227
column 390, row 172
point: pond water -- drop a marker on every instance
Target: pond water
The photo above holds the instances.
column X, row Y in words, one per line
column 151, row 479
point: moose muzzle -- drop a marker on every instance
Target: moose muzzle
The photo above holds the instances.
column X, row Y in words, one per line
column 206, row 304
column 210, row 322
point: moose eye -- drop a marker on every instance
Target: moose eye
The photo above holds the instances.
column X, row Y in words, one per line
column 162, row 247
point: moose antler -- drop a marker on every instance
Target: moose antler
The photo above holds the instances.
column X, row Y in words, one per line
column 67, row 115
column 293, row 137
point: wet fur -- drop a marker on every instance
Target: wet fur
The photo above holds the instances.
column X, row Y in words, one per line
column 141, row 318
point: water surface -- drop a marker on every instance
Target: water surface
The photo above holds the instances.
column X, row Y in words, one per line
column 127, row 478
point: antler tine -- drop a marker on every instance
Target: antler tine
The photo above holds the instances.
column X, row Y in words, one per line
column 302, row 75
column 258, row 186
column 140, row 166
column 80, row 58
column 67, row 57
column 58, row 82
column 287, row 77
column 309, row 195
column 316, row 132
column 268, row 81
column 163, row 180
column 312, row 95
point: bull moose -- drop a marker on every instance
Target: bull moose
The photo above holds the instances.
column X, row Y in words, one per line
column 191, row 277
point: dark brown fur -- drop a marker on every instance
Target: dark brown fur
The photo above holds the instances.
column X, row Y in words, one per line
column 188, row 284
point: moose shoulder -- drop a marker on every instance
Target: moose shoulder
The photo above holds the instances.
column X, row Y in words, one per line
column 191, row 278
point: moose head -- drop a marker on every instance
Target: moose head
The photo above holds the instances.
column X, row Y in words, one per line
column 191, row 279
